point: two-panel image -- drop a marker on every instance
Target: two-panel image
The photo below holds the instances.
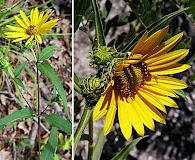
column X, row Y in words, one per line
column 97, row 80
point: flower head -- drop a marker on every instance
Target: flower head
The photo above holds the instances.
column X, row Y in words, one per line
column 29, row 29
column 140, row 87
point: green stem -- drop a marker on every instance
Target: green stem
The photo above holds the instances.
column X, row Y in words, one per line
column 99, row 37
column 90, row 145
column 38, row 101
column 82, row 124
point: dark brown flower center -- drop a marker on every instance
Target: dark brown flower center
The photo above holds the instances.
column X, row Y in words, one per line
column 131, row 79
column 31, row 30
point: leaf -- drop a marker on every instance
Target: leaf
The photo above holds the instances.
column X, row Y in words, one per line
column 22, row 113
column 46, row 53
column 46, row 69
column 59, row 122
column 97, row 151
column 19, row 82
column 76, row 84
column 50, row 148
column 154, row 27
column 180, row 93
column 80, row 9
column 82, row 125
column 191, row 59
column 19, row 69
column 99, row 33
column 86, row 137
column 125, row 151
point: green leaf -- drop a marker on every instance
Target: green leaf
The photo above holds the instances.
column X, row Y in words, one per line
column 46, row 69
column 192, row 78
column 180, row 93
column 19, row 82
column 50, row 148
column 191, row 59
column 22, row 113
column 154, row 27
column 82, row 125
column 19, row 69
column 97, row 151
column 76, row 84
column 59, row 122
column 125, row 151
column 46, row 53
column 99, row 33
column 80, row 9
column 86, row 137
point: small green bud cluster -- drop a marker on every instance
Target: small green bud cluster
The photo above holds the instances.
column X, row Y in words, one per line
column 101, row 56
column 4, row 63
column 91, row 88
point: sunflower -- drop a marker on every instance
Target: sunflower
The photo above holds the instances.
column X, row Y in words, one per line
column 140, row 87
column 31, row 28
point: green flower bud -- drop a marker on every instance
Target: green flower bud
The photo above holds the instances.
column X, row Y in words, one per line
column 91, row 89
column 102, row 55
column 4, row 63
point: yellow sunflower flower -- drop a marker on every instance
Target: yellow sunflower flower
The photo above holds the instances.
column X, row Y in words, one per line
column 140, row 87
column 31, row 28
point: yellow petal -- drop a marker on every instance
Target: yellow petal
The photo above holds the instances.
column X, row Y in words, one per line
column 38, row 38
column 110, row 115
column 167, row 101
column 40, row 18
column 151, row 110
column 150, row 97
column 157, row 89
column 124, row 118
column 45, row 17
column 165, row 46
column 168, row 82
column 154, row 40
column 29, row 40
column 15, row 34
column 20, row 22
column 36, row 16
column 102, row 105
column 143, row 113
column 135, row 118
column 17, row 29
column 140, row 43
column 172, row 69
column 32, row 16
column 25, row 19
column 20, row 39
column 169, row 58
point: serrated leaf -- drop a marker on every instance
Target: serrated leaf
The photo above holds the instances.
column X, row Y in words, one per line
column 19, row 69
column 59, row 122
column 19, row 82
column 46, row 53
column 47, row 70
column 22, row 113
column 50, row 147
column 180, row 93
column 99, row 33
column 97, row 151
column 125, row 151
